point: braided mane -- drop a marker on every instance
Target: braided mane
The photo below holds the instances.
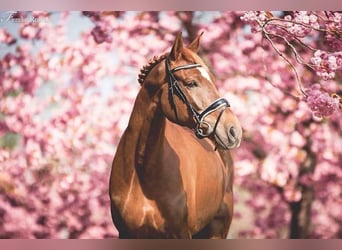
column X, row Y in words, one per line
column 148, row 67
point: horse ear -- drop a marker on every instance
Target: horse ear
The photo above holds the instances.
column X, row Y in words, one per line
column 194, row 46
column 177, row 47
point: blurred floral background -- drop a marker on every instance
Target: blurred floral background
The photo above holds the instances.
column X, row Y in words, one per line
column 68, row 84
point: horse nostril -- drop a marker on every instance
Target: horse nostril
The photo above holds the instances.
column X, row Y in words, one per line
column 234, row 136
column 232, row 131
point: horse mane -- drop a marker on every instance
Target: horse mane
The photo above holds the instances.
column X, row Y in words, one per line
column 148, row 67
column 144, row 70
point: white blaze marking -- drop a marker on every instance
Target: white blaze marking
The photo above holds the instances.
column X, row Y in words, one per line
column 204, row 73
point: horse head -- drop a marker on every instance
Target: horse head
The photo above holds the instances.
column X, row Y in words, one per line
column 188, row 96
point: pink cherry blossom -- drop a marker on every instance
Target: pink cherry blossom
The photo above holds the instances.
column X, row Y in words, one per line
column 67, row 91
column 100, row 35
column 6, row 37
column 327, row 64
column 320, row 102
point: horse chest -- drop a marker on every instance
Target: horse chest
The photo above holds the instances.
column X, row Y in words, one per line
column 201, row 173
column 206, row 195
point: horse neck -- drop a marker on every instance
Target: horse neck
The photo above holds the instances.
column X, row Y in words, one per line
column 146, row 129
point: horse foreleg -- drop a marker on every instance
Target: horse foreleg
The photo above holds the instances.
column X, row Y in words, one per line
column 219, row 226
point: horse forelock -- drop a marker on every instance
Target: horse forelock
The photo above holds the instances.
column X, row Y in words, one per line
column 189, row 55
column 192, row 57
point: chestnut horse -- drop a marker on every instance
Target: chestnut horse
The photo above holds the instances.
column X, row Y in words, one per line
column 172, row 174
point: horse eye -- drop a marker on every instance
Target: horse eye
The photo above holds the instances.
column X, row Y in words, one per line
column 191, row 84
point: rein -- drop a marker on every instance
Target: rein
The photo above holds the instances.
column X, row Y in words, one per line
column 174, row 88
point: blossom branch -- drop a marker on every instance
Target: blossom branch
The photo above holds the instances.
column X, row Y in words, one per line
column 291, row 30
column 286, row 59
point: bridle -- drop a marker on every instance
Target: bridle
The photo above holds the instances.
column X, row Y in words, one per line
column 199, row 117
